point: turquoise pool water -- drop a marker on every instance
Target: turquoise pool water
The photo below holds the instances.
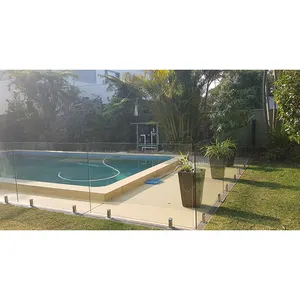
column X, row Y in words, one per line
column 76, row 169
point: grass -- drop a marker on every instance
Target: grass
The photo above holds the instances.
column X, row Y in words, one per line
column 267, row 197
column 20, row 218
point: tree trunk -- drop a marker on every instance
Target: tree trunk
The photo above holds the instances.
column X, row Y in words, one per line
column 265, row 101
column 276, row 77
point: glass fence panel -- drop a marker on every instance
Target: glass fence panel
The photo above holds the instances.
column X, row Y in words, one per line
column 53, row 175
column 120, row 180
column 8, row 183
column 138, row 185
column 209, row 182
column 221, row 174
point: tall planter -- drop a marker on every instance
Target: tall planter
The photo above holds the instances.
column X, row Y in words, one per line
column 191, row 187
column 230, row 160
column 217, row 166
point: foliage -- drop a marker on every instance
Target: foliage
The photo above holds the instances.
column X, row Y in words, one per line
column 224, row 149
column 185, row 163
column 179, row 100
column 280, row 147
column 46, row 107
column 230, row 143
column 287, row 95
column 245, row 85
column 37, row 105
column 232, row 100
column 120, row 111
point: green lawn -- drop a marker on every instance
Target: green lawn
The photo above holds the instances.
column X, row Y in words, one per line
column 19, row 218
column 266, row 197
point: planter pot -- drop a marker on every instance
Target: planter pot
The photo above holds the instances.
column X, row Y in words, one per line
column 191, row 187
column 217, row 166
column 230, row 160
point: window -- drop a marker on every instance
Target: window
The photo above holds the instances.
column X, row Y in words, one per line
column 111, row 73
column 88, row 76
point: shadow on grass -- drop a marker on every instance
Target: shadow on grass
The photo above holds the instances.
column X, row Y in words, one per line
column 266, row 184
column 273, row 166
column 266, row 168
column 244, row 216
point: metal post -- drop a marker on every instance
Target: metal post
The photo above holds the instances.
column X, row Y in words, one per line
column 219, row 197
column 137, row 137
column 234, row 176
column 226, row 187
column 31, row 202
column 74, row 209
column 203, row 218
column 6, row 199
column 170, row 221
column 157, row 137
column 108, row 214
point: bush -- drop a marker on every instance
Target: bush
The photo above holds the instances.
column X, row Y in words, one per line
column 219, row 149
column 280, row 147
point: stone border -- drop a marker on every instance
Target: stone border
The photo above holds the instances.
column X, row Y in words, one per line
column 223, row 197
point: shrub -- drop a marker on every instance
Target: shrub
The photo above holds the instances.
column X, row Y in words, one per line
column 185, row 163
column 220, row 149
column 280, row 147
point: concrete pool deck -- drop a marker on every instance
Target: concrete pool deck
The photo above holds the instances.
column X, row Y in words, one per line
column 146, row 203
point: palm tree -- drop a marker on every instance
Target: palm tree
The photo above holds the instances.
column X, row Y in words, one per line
column 120, row 111
column 179, row 98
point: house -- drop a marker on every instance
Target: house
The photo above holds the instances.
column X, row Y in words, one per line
column 90, row 83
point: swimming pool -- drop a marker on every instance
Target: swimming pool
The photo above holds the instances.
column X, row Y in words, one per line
column 79, row 169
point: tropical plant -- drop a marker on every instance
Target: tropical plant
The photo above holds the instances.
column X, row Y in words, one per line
column 287, row 95
column 233, row 99
column 179, row 101
column 280, row 146
column 224, row 149
column 230, row 143
column 127, row 105
column 185, row 164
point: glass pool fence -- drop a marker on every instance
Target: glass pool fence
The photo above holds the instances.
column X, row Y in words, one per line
column 119, row 181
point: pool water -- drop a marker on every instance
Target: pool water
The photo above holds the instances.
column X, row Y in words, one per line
column 95, row 171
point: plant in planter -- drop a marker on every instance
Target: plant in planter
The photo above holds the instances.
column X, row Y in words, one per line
column 232, row 145
column 218, row 153
column 191, row 182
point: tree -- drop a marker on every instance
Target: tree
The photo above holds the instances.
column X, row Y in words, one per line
column 232, row 100
column 127, row 100
column 38, row 103
column 179, row 101
column 287, row 95
column 228, row 112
